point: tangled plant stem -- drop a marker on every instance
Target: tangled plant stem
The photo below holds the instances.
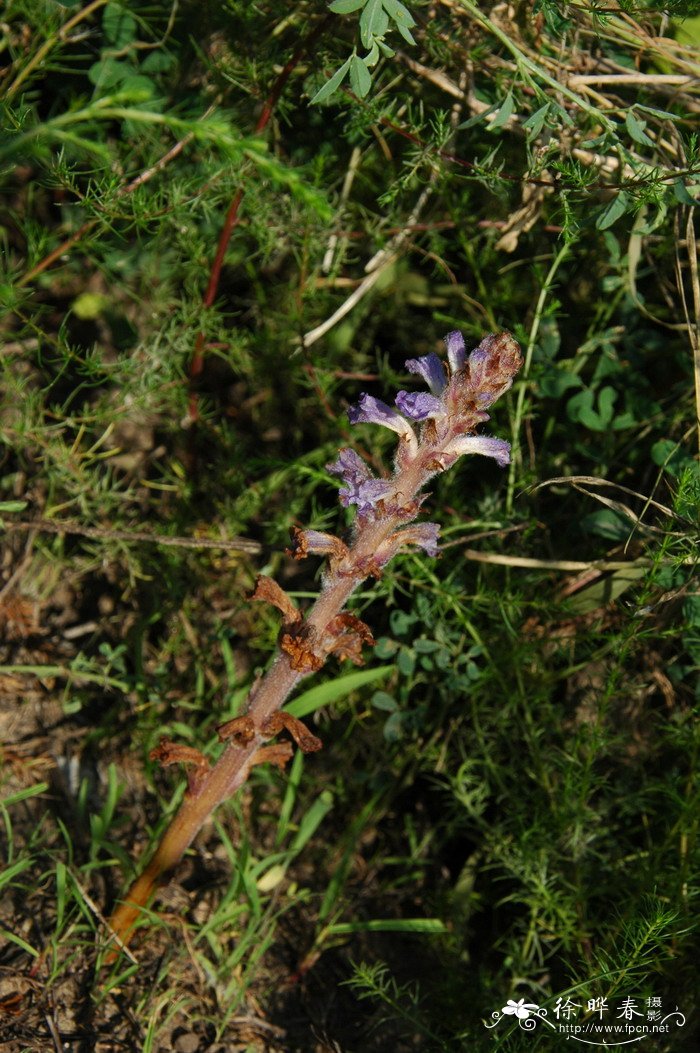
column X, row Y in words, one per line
column 448, row 416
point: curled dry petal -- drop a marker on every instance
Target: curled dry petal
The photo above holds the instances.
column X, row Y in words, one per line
column 268, row 591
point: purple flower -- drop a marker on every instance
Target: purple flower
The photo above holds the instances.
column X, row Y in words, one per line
column 418, row 405
column 351, row 466
column 424, row 535
column 431, row 369
column 373, row 411
column 362, row 488
column 456, row 351
column 366, row 495
column 499, row 449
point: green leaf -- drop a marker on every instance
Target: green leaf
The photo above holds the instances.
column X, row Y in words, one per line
column 605, row 589
column 606, row 524
column 118, row 25
column 393, row 727
column 691, row 611
column 663, row 114
column 331, row 85
column 9, row 873
column 636, row 128
column 287, row 177
column 374, row 22
column 108, row 72
column 423, row 925
column 555, row 382
column 606, row 401
column 671, row 456
column 536, row 121
column 682, row 194
column 612, row 212
column 360, row 78
column 19, row 942
column 12, row 506
column 387, row 703
column 423, row 646
column 580, row 405
column 406, row 661
column 648, row 228
column 478, row 119
column 372, row 56
column 385, row 648
column 158, row 62
column 312, row 819
column 405, row 33
column 346, row 7
column 334, row 690
column 137, row 88
column 400, row 14
column 504, row 114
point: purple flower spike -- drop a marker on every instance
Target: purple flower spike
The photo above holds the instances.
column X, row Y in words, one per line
column 419, row 405
column 499, row 449
column 456, row 351
column 431, row 369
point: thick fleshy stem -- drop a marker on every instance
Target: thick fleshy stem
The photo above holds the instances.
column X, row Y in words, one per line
column 380, row 531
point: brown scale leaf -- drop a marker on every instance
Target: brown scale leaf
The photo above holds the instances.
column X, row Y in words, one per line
column 240, row 731
column 268, row 591
column 346, row 621
column 279, row 754
column 167, row 753
column 302, row 659
column 304, row 739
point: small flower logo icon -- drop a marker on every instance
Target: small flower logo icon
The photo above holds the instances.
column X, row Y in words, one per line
column 521, row 1008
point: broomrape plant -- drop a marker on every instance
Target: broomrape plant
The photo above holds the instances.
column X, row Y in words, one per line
column 435, row 429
